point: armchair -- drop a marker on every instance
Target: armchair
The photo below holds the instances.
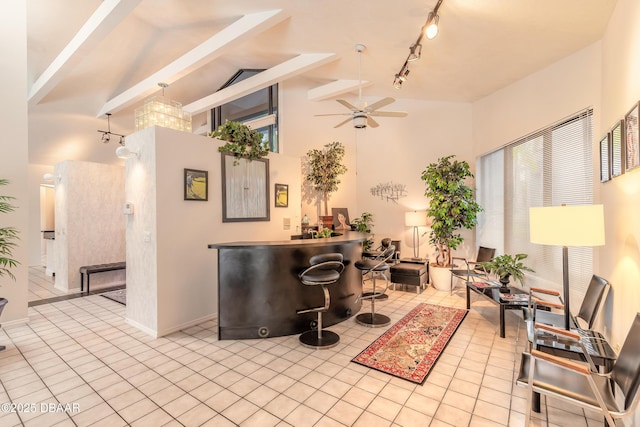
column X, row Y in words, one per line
column 579, row 383
column 590, row 308
column 473, row 269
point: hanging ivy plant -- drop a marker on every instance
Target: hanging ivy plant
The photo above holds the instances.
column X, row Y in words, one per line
column 242, row 141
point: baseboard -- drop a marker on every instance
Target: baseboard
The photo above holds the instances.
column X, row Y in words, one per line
column 167, row 331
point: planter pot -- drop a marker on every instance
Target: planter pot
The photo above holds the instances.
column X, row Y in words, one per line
column 326, row 221
column 440, row 277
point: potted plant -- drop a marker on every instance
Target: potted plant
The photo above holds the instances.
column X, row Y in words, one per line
column 324, row 170
column 363, row 224
column 505, row 266
column 242, row 141
column 8, row 236
column 452, row 206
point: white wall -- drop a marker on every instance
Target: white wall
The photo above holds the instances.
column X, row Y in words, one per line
column 605, row 76
column 36, row 242
column 89, row 221
column 172, row 277
column 620, row 258
column 398, row 151
column 14, row 158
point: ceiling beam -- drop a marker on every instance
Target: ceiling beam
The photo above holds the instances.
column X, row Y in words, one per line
column 335, row 88
column 297, row 65
column 223, row 41
column 105, row 18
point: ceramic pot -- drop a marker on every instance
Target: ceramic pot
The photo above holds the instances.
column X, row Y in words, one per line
column 440, row 277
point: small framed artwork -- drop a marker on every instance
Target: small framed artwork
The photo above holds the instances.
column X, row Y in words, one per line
column 196, row 185
column 632, row 138
column 617, row 150
column 605, row 159
column 281, row 195
column 340, row 219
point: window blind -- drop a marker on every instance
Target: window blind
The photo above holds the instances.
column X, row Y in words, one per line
column 551, row 167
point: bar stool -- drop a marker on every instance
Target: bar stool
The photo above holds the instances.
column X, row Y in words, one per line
column 377, row 267
column 325, row 270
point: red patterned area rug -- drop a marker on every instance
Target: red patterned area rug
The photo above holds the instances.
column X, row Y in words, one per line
column 411, row 347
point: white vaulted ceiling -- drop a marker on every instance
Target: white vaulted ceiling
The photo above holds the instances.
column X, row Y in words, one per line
column 90, row 57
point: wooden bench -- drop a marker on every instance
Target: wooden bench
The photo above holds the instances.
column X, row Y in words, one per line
column 98, row 268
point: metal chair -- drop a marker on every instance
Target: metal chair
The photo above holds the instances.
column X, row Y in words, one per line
column 579, row 383
column 591, row 306
column 473, row 268
column 325, row 270
column 377, row 267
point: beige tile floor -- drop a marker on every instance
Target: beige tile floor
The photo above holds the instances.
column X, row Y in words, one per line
column 78, row 363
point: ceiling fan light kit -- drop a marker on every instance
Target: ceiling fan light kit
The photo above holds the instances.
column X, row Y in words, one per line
column 428, row 30
column 361, row 115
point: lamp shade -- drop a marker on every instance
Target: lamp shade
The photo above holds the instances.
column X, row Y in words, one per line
column 415, row 219
column 581, row 225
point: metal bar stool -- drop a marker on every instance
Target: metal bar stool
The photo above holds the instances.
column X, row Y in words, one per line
column 377, row 267
column 325, row 270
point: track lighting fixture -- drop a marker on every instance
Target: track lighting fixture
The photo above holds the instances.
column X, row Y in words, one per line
column 415, row 52
column 428, row 30
column 106, row 134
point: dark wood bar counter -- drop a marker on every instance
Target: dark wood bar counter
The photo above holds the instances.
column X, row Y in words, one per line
column 259, row 291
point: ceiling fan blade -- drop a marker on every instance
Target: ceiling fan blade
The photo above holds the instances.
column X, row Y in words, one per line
column 389, row 113
column 343, row 123
column 381, row 103
column 347, row 104
column 333, row 114
column 371, row 122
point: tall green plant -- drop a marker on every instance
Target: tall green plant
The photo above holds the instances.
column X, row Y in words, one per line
column 452, row 205
column 363, row 224
column 324, row 170
column 8, row 236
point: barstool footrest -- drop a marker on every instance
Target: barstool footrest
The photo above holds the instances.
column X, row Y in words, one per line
column 377, row 295
column 327, row 339
column 373, row 320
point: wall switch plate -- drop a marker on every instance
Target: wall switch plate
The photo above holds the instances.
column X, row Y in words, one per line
column 147, row 236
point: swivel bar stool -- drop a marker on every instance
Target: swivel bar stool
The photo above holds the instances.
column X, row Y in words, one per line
column 377, row 267
column 325, row 270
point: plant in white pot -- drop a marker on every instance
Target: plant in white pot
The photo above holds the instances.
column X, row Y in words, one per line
column 452, row 206
column 8, row 237
column 324, row 168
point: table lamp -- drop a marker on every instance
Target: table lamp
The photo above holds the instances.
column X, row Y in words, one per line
column 581, row 225
column 415, row 219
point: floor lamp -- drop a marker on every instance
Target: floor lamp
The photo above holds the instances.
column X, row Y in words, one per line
column 565, row 226
column 415, row 220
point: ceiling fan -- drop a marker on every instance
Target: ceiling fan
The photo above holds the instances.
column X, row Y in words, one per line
column 362, row 115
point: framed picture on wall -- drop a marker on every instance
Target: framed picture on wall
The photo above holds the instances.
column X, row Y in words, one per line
column 196, row 185
column 617, row 149
column 605, row 159
column 632, row 138
column 245, row 189
column 281, row 195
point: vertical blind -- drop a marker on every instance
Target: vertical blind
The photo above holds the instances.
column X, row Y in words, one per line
column 551, row 167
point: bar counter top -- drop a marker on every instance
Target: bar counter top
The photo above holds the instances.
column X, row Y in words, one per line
column 346, row 237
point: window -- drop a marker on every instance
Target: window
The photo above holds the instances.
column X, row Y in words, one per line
column 258, row 109
column 548, row 168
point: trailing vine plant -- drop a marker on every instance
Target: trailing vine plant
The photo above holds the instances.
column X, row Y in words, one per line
column 242, row 141
column 8, row 236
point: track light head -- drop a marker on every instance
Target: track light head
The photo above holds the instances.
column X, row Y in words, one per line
column 432, row 26
column 105, row 137
column 415, row 52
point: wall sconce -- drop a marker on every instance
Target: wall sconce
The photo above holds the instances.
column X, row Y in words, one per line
column 124, row 153
column 49, row 177
column 106, row 134
column 428, row 30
